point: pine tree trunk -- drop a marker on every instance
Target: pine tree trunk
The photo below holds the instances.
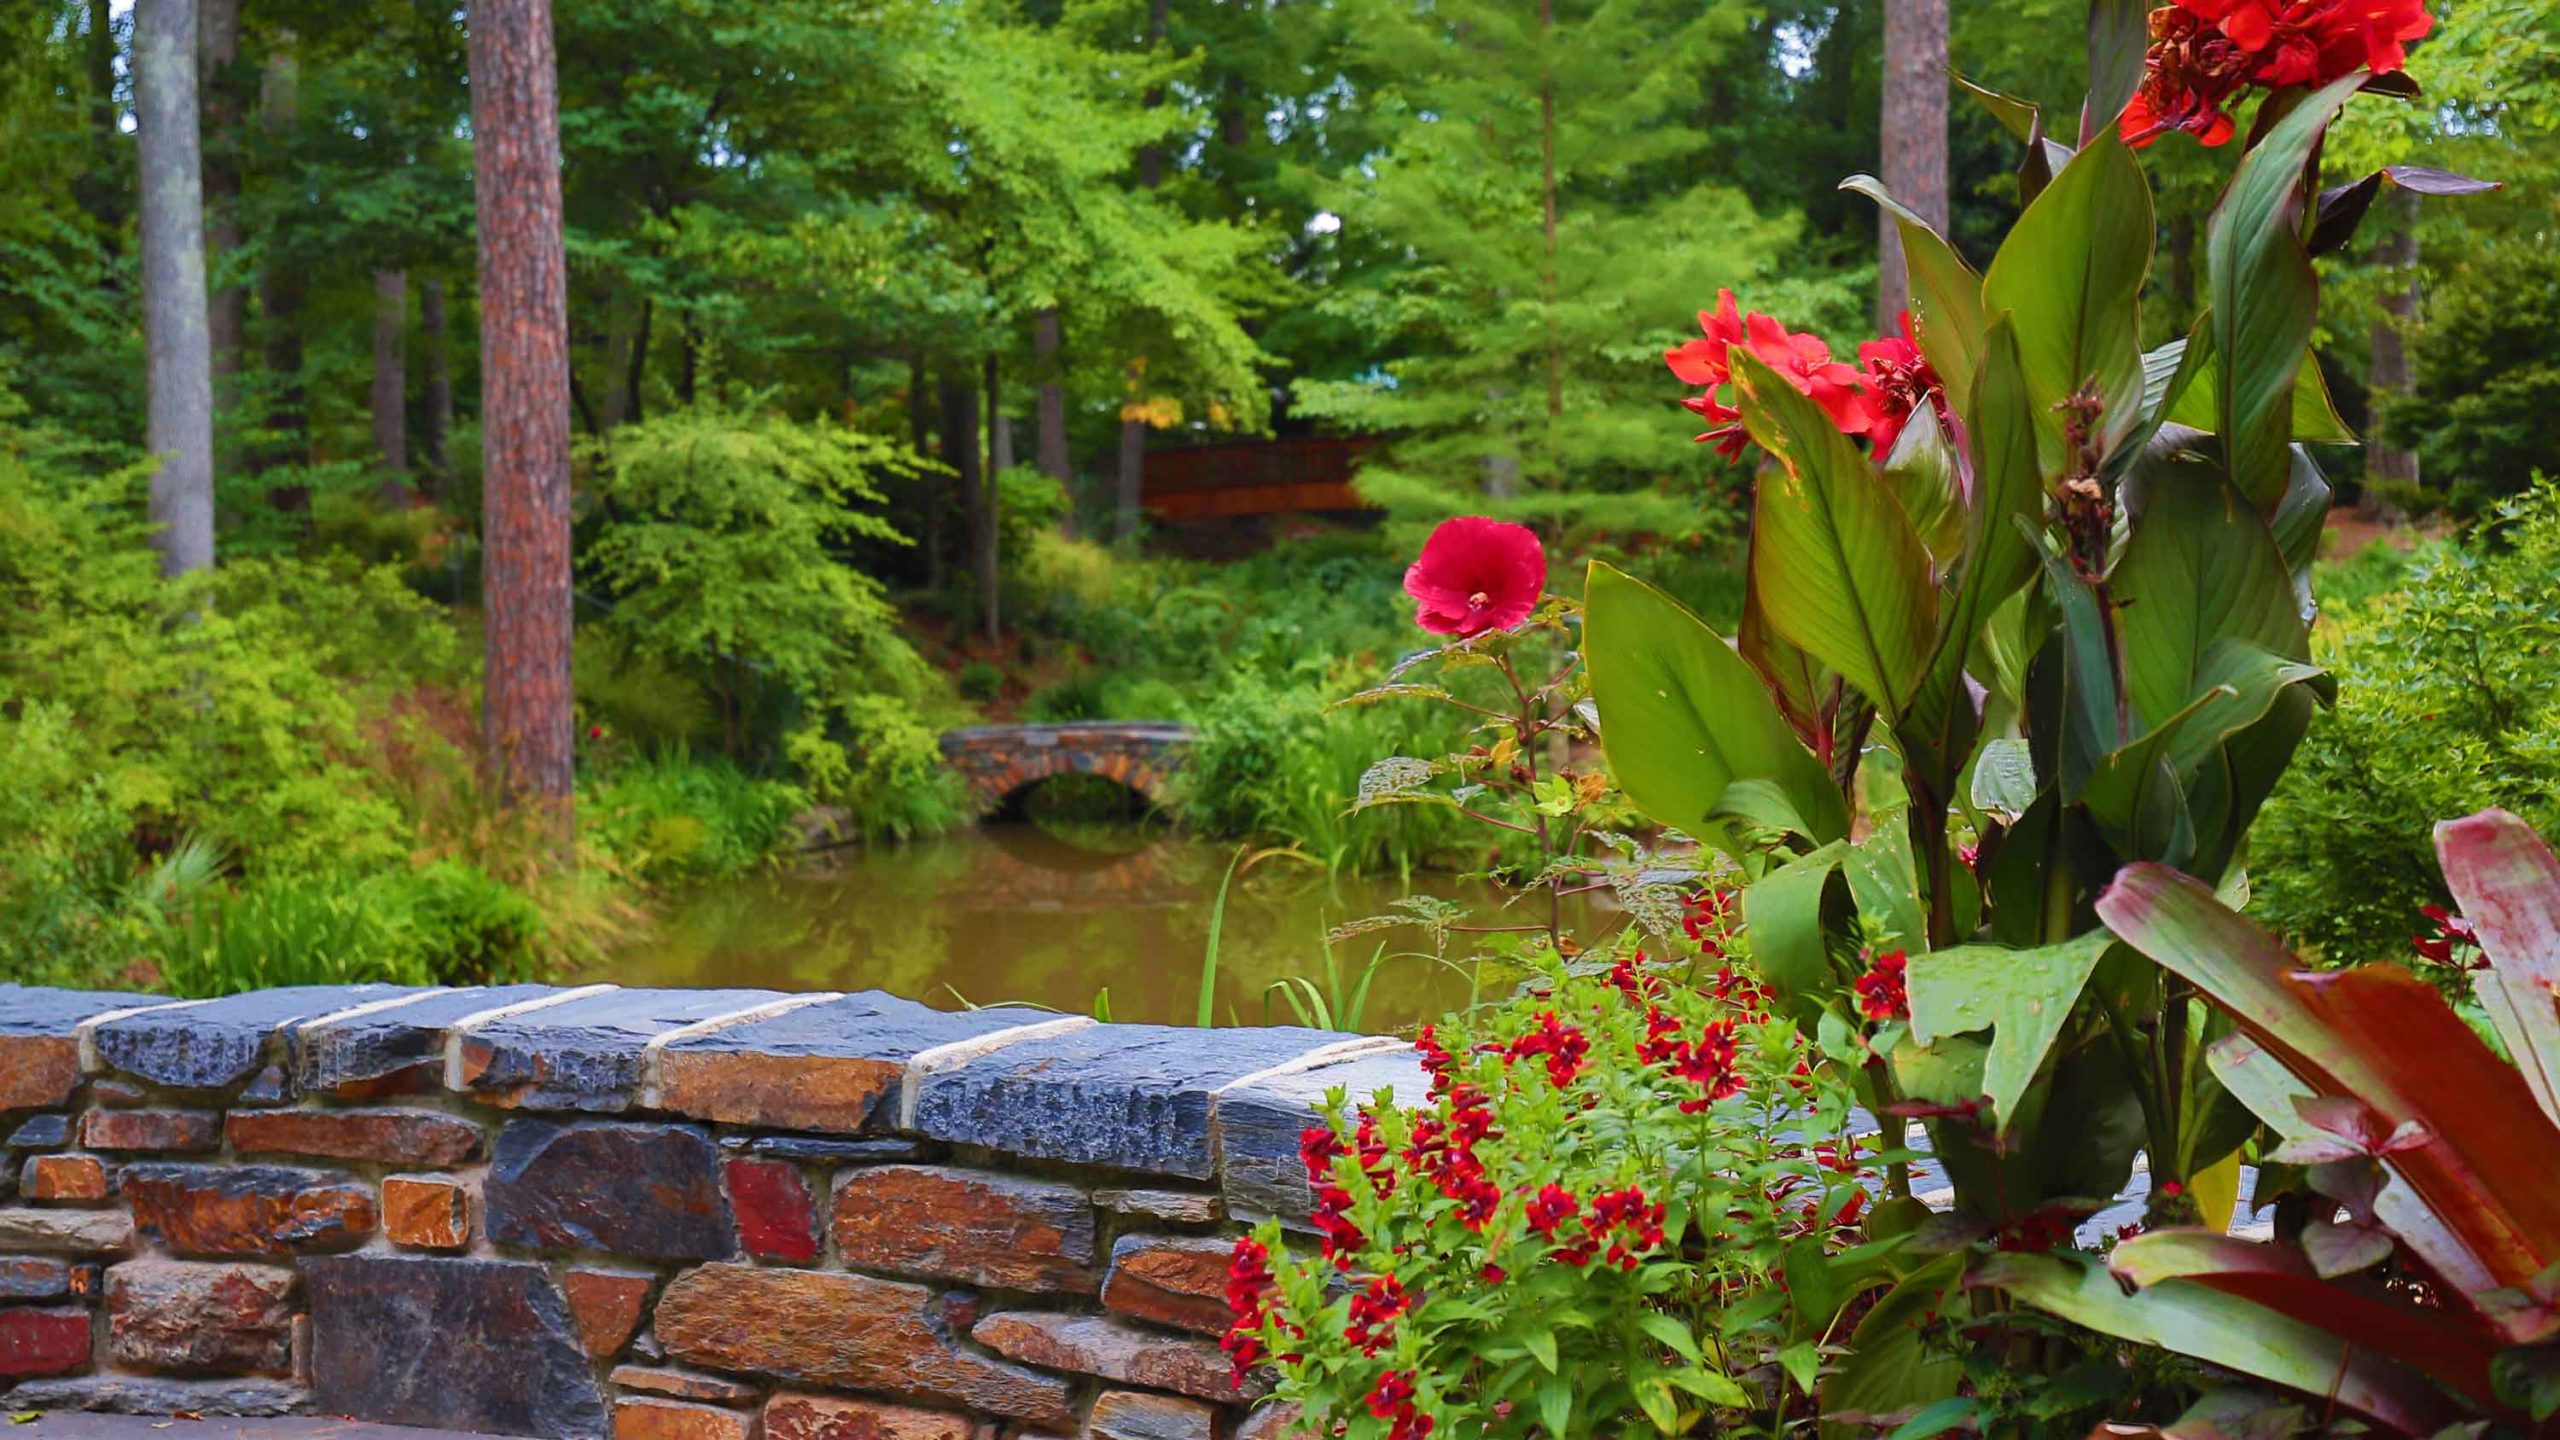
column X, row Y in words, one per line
column 960, row 453
column 990, row 516
column 218, row 48
column 435, row 384
column 391, row 383
column 1547, row 272
column 1915, row 136
column 2391, row 374
column 1049, row 446
column 282, row 287
column 178, row 349
column 524, row 406
column 1131, row 477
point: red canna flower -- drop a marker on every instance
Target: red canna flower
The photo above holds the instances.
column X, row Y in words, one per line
column 1881, row 992
column 2205, row 52
column 1900, row 381
column 1806, row 362
column 1475, row 575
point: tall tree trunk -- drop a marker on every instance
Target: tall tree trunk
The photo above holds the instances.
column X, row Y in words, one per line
column 636, row 368
column 2391, row 374
column 524, row 405
column 1002, row 445
column 960, row 451
column 391, row 383
column 929, row 496
column 1049, row 446
column 1131, row 478
column 1547, row 272
column 178, row 350
column 1915, row 137
column 282, row 287
column 435, row 383
column 218, row 48
column 990, row 516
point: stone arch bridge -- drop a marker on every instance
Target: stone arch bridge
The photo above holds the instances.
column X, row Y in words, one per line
column 1002, row 763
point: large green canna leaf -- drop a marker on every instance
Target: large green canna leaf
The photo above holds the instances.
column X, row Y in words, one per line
column 1807, row 692
column 2190, row 399
column 2231, row 1332
column 1891, row 1369
column 2201, row 570
column 2386, row 1039
column 1836, row 565
column 2022, row 996
column 1793, row 913
column 2070, row 277
column 1946, row 293
column 1683, row 718
column 2119, row 37
column 2434, row 1343
column 2264, row 297
column 2507, row 882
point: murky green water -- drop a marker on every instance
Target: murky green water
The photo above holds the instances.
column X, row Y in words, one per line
column 1055, row 917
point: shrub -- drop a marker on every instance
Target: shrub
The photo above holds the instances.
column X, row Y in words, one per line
column 1626, row 1206
column 299, row 928
column 668, row 816
column 2487, row 383
column 979, row 681
column 2448, row 701
column 886, row 772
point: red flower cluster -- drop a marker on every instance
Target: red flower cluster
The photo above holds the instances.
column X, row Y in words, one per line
column 1374, row 1309
column 1249, row 1285
column 1873, row 402
column 1475, row 575
column 1707, row 917
column 2453, row 942
column 1621, row 1222
column 1881, row 992
column 2205, row 52
column 1561, row 1044
column 1392, row 1400
column 1708, row 1062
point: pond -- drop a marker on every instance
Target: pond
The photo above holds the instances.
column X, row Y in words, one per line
column 1093, row 918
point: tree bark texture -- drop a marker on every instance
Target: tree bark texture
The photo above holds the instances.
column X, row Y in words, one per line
column 1131, row 477
column 1915, row 137
column 960, row 451
column 2391, row 374
column 983, row 539
column 1049, row 446
column 178, row 357
column 391, row 382
column 218, row 49
column 526, row 715
column 435, row 381
column 282, row 287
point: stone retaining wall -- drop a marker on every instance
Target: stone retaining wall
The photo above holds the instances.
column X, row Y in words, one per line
column 660, row 1214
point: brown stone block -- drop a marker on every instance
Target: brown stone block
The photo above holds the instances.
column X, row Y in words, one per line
column 37, row 1070
column 248, row 1209
column 670, row 1420
column 851, row 1332
column 1134, row 1415
column 605, row 1306
column 429, row 1212
column 167, row 1131
column 67, row 1178
column 424, row 1138
column 66, row 1232
column 843, row 1417
column 1275, row 1421
column 685, row 1385
column 176, row 1315
column 794, row 1092
column 43, row 1342
column 1092, row 1345
column 954, row 1224
column 1172, row 1280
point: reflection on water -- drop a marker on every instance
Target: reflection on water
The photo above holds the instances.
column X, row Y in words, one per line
column 1046, row 916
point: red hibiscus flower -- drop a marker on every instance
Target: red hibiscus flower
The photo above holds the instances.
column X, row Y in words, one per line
column 1475, row 575
column 1900, row 381
column 2205, row 52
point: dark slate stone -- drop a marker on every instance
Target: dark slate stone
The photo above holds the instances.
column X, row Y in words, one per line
column 388, row 1041
column 587, row 1054
column 832, row 1067
column 41, row 1132
column 218, row 1044
column 811, row 1147
column 1131, row 1096
column 460, row 1344
column 138, row 1395
column 35, row 1010
column 1259, row 1126
column 871, row 1025
column 651, row 1192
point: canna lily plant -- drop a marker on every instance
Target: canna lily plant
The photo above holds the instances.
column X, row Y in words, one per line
column 2416, row 1278
column 2027, row 604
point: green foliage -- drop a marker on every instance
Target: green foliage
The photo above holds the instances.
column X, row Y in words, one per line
column 666, row 816
column 885, row 772
column 2480, row 417
column 2449, row 701
column 1504, row 1290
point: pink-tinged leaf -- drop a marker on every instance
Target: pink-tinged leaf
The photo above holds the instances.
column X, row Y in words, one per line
column 2232, row 1332
column 2432, row 1342
column 2507, row 882
column 2483, row 1167
column 2337, row 1248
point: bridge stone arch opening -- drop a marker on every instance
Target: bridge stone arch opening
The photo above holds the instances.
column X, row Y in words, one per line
column 1003, row 764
